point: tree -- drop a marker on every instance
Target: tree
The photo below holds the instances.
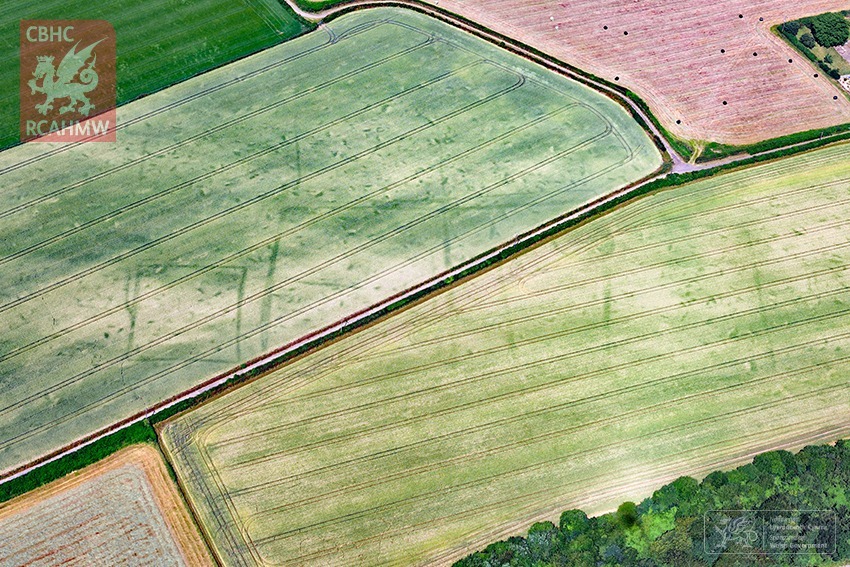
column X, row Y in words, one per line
column 808, row 40
column 574, row 522
column 627, row 514
column 669, row 529
column 830, row 29
column 791, row 27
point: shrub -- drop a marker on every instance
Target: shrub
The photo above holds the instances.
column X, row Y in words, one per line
column 829, row 70
column 830, row 29
column 140, row 432
column 808, row 40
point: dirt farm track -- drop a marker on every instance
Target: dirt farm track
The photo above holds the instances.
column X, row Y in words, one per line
column 669, row 52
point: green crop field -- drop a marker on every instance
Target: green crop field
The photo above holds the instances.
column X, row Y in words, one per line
column 262, row 201
column 679, row 334
column 160, row 42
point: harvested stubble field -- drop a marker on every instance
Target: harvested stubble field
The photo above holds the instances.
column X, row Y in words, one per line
column 680, row 334
column 160, row 42
column 124, row 510
column 672, row 58
column 262, row 201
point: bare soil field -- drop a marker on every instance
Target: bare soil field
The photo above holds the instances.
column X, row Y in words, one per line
column 670, row 54
column 124, row 510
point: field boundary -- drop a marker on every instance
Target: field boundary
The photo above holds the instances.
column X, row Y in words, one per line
column 171, row 504
column 260, row 365
column 697, row 151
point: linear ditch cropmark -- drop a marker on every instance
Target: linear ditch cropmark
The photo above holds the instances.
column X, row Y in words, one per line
column 629, row 148
column 554, row 383
column 676, row 283
column 744, row 268
column 193, row 359
column 395, row 375
column 439, row 246
column 635, row 228
column 248, row 202
column 738, row 293
column 348, row 205
column 249, row 334
column 143, row 273
column 650, row 267
column 240, row 303
column 448, row 337
column 633, row 210
column 293, row 229
column 759, row 176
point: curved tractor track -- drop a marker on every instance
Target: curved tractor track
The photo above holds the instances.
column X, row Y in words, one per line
column 678, row 165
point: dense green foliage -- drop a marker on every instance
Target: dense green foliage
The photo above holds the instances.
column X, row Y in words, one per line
column 830, row 29
column 791, row 37
column 670, row 527
column 808, row 40
column 791, row 27
column 140, row 432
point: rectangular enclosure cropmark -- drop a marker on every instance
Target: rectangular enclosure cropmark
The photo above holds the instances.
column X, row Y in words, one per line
column 257, row 203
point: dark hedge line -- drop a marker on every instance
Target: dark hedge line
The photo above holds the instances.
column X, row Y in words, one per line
column 716, row 151
column 145, row 432
column 792, row 39
column 711, row 151
column 725, row 520
column 140, row 432
column 683, row 148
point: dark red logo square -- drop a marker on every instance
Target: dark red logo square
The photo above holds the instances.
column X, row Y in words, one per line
column 68, row 86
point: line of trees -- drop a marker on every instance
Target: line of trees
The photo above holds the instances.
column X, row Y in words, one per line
column 828, row 30
column 782, row 509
